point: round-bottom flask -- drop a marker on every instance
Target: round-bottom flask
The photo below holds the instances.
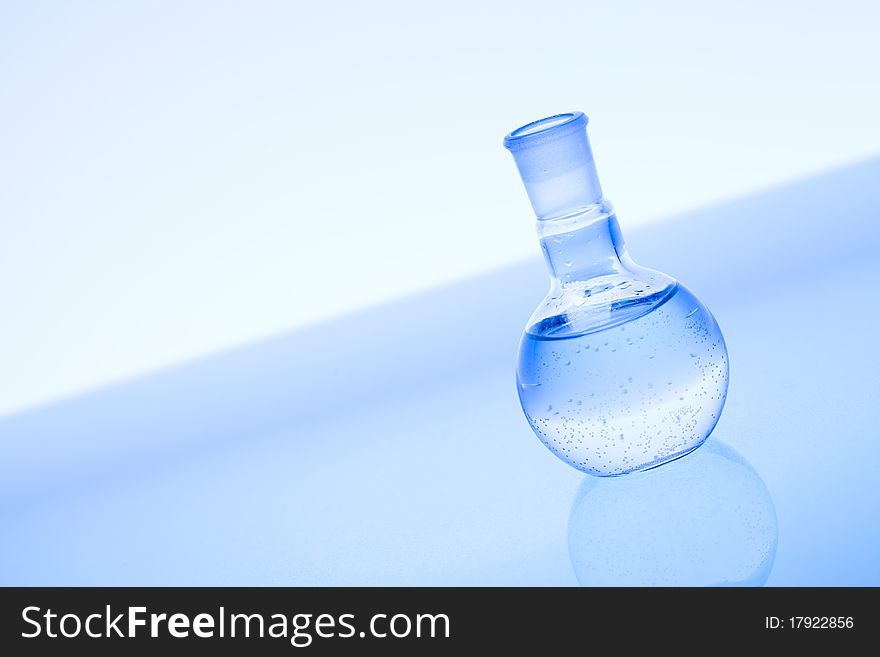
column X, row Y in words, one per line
column 621, row 368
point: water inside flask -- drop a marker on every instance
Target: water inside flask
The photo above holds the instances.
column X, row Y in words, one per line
column 621, row 368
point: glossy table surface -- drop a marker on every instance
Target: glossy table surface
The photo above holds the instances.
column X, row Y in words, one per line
column 388, row 447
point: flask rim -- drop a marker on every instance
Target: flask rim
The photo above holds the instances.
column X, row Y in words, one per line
column 544, row 130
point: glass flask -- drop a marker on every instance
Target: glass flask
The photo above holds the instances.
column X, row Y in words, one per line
column 621, row 368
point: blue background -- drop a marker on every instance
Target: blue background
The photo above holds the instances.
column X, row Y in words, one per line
column 388, row 447
column 179, row 178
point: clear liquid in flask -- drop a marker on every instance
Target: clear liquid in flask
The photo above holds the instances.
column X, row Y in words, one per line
column 630, row 396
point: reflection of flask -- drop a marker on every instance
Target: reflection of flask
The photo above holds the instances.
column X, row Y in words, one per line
column 704, row 520
column 621, row 368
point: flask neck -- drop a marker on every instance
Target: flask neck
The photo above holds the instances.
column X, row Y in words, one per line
column 584, row 246
column 556, row 165
column 594, row 283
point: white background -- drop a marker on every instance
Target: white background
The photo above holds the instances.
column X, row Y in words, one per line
column 179, row 177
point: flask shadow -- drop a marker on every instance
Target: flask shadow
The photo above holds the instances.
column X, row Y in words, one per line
column 706, row 519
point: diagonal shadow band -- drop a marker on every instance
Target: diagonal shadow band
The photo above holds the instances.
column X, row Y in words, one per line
column 416, row 344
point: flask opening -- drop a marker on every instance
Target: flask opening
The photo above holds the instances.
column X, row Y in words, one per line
column 546, row 128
